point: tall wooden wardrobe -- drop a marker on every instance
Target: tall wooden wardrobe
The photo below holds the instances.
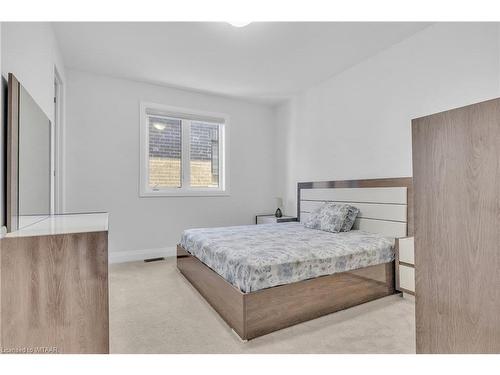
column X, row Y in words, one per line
column 456, row 171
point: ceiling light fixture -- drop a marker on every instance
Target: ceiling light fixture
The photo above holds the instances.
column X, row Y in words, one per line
column 239, row 24
column 159, row 126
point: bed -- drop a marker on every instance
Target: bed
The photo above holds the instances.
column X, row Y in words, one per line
column 261, row 278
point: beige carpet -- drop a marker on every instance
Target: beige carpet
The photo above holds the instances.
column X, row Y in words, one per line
column 153, row 309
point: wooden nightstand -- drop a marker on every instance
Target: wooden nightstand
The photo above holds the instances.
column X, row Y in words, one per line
column 268, row 219
column 405, row 265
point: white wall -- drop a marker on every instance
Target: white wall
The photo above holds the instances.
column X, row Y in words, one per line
column 30, row 51
column 102, row 163
column 357, row 124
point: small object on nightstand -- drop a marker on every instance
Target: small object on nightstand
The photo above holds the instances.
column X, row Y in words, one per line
column 271, row 218
column 279, row 203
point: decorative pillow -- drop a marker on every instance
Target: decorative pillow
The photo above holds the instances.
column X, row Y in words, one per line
column 313, row 221
column 350, row 218
column 330, row 217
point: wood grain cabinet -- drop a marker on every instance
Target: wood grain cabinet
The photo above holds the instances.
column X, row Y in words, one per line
column 54, row 286
column 456, row 181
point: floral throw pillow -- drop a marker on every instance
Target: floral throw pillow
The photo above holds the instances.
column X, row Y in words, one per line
column 330, row 217
column 313, row 221
column 350, row 218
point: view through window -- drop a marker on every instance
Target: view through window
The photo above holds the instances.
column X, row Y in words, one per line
column 183, row 154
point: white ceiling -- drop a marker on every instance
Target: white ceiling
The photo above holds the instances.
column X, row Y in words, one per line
column 262, row 61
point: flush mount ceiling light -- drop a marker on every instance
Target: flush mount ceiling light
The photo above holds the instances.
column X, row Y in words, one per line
column 159, row 126
column 239, row 24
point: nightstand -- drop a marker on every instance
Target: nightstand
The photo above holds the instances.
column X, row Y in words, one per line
column 268, row 219
column 405, row 265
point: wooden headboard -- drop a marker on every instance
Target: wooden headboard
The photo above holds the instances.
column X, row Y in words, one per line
column 385, row 204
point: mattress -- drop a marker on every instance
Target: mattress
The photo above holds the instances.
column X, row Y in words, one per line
column 254, row 257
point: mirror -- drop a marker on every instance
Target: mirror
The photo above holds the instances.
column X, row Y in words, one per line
column 29, row 159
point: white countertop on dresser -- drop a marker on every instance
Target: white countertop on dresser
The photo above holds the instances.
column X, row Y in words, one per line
column 63, row 224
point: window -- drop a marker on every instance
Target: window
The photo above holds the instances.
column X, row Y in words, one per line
column 182, row 152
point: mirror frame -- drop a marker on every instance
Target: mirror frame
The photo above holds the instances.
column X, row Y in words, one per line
column 12, row 205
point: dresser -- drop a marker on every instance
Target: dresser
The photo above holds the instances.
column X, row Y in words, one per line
column 54, row 286
column 405, row 265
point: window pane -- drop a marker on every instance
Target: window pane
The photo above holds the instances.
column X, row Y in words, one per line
column 204, row 154
column 164, row 152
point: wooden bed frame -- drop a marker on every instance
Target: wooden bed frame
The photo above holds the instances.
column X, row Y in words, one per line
column 257, row 313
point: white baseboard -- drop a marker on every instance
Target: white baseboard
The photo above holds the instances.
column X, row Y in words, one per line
column 135, row 255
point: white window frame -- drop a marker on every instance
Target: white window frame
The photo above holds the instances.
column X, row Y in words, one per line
column 185, row 190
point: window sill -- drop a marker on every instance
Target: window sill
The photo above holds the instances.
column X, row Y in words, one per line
column 184, row 193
